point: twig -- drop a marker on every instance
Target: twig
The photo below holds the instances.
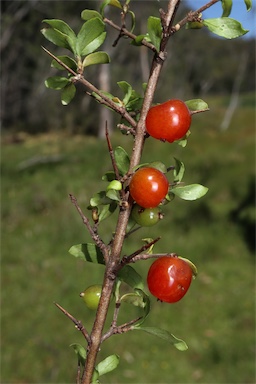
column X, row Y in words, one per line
column 125, row 32
column 146, row 256
column 77, row 323
column 191, row 16
column 113, row 160
column 111, row 153
column 107, row 101
column 128, row 130
column 78, row 375
column 126, row 327
column 200, row 111
column 93, row 232
column 130, row 259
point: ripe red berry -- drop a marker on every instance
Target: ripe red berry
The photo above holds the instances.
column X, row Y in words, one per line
column 148, row 187
column 169, row 121
column 169, row 278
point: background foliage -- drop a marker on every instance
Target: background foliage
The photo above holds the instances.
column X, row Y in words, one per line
column 28, row 106
column 39, row 224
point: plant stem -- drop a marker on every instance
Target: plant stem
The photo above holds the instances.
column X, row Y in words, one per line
column 117, row 245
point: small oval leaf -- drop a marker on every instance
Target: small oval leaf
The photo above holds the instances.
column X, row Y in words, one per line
column 96, row 58
column 90, row 36
column 165, row 335
column 113, row 194
column 248, row 4
column 88, row 14
column 66, row 60
column 99, row 198
column 56, row 82
column 155, row 31
column 68, row 93
column 115, row 184
column 227, row 7
column 190, row 192
column 107, row 210
column 196, row 105
column 131, row 277
column 81, row 353
column 225, row 27
column 178, row 171
column 87, row 252
column 107, row 365
column 122, row 160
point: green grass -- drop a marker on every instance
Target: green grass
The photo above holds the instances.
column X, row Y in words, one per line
column 39, row 225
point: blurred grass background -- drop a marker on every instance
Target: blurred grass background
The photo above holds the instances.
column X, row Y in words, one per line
column 39, row 224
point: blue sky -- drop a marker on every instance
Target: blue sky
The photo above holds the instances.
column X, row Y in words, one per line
column 239, row 12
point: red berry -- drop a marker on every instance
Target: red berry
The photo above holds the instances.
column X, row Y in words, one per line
column 169, row 278
column 148, row 187
column 169, row 121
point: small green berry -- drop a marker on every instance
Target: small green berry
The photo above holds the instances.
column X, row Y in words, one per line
column 91, row 296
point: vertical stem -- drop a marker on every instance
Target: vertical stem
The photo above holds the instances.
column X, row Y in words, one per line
column 116, row 249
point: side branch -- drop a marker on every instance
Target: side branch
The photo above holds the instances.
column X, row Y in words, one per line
column 77, row 323
column 94, row 234
column 146, row 256
column 107, row 101
column 191, row 16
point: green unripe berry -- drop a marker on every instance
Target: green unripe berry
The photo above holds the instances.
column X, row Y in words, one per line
column 91, row 296
column 146, row 217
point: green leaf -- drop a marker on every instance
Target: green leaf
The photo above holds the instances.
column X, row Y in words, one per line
column 155, row 31
column 138, row 40
column 127, row 89
column 190, row 192
column 225, row 27
column 68, row 93
column 113, row 194
column 90, row 37
column 87, row 252
column 109, row 176
column 248, row 4
column 227, row 7
column 194, row 25
column 133, row 299
column 122, row 160
column 165, row 335
column 81, row 353
column 60, row 34
column 192, row 265
column 131, row 277
column 66, row 60
column 56, row 37
column 96, row 58
column 178, row 171
column 135, row 102
column 88, row 14
column 158, row 165
column 133, row 20
column 145, row 305
column 99, row 198
column 114, row 3
column 61, row 26
column 95, row 377
column 196, row 105
column 107, row 210
column 108, row 364
column 115, row 184
column 56, row 82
